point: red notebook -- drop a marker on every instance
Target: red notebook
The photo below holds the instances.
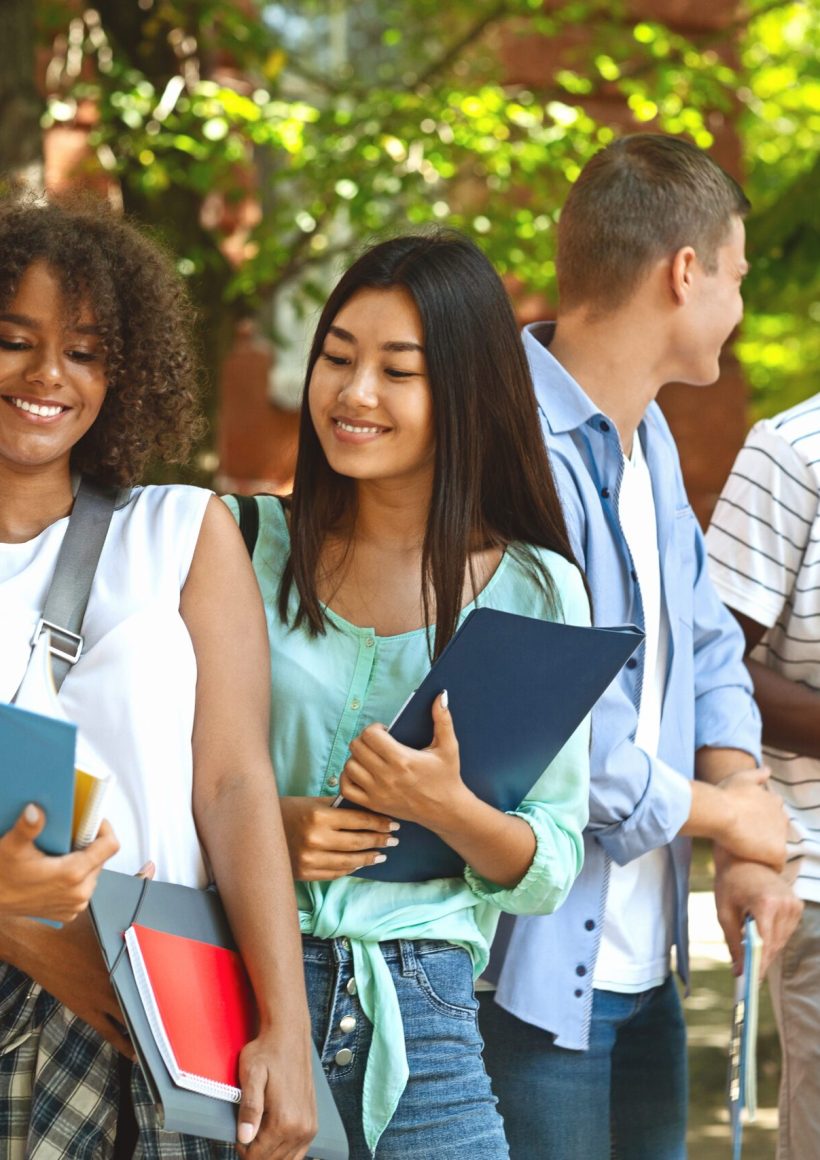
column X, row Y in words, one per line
column 200, row 1005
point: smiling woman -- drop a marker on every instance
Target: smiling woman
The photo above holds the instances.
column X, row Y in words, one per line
column 422, row 489
column 96, row 376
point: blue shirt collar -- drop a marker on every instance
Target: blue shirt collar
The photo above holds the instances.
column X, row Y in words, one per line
column 562, row 401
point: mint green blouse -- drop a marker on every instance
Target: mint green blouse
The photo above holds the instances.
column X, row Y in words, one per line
column 326, row 690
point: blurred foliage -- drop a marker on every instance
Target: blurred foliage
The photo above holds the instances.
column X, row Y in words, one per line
column 265, row 140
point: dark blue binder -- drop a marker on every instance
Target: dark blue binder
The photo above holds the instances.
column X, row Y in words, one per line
column 518, row 689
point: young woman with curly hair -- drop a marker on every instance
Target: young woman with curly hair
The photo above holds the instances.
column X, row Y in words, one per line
column 97, row 376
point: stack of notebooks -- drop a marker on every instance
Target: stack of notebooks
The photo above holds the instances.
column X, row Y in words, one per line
column 188, row 1005
column 40, row 751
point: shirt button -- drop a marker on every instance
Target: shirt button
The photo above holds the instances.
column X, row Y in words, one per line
column 333, row 781
column 347, row 1023
column 605, row 492
column 343, row 1056
column 580, row 970
column 355, row 703
column 578, row 993
column 604, row 425
column 631, row 663
column 369, row 642
column 351, row 986
column 589, row 924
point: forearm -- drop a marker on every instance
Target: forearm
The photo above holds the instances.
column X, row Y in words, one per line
column 497, row 846
column 790, row 711
column 712, row 764
column 240, row 825
column 21, row 943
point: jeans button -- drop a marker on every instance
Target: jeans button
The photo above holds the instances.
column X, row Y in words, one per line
column 347, row 1023
column 351, row 986
column 345, row 943
column 343, row 1056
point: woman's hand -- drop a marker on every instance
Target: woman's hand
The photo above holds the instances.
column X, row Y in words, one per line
column 326, row 843
column 46, row 885
column 419, row 785
column 277, row 1115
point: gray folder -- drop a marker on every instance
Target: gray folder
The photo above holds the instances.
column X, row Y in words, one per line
column 194, row 914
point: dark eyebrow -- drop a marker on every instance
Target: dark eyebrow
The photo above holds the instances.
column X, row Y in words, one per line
column 403, row 346
column 33, row 324
column 397, row 347
column 20, row 320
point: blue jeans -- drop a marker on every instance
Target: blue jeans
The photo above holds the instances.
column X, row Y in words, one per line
column 447, row 1110
column 623, row 1098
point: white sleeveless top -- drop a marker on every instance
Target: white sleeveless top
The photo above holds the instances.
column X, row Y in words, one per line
column 132, row 692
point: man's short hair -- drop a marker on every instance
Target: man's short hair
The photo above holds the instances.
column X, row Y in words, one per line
column 641, row 198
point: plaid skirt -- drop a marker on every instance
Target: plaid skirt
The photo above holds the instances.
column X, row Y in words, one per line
column 59, row 1087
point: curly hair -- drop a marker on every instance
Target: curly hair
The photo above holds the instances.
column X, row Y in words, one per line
column 140, row 305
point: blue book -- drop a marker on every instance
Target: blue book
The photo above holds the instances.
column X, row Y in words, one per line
column 518, row 689
column 37, row 765
column 743, row 1047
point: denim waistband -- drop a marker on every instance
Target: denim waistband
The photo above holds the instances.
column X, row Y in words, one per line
column 399, row 950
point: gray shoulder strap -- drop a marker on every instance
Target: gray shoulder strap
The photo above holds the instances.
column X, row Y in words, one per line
column 67, row 597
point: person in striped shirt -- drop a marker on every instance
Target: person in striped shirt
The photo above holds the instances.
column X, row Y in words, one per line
column 764, row 548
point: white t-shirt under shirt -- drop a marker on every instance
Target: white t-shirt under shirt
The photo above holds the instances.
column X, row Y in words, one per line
column 764, row 548
column 132, row 693
column 637, row 935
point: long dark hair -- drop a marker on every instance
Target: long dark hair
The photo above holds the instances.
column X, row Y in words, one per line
column 492, row 482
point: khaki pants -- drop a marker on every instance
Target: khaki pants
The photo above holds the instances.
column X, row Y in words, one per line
column 794, row 983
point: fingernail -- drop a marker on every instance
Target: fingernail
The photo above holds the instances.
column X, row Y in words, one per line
column 445, row 700
column 31, row 813
column 246, row 1133
column 394, row 826
column 146, row 869
column 380, row 858
column 391, row 842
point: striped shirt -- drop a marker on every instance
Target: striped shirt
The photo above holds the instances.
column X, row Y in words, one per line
column 764, row 547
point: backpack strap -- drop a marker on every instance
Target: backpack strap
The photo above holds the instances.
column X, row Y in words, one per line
column 77, row 560
column 248, row 520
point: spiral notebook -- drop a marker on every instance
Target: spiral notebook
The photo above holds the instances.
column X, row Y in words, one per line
column 199, row 1005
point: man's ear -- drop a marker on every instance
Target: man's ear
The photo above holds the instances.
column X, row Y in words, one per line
column 682, row 273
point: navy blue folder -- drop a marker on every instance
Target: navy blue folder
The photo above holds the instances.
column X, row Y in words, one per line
column 518, row 689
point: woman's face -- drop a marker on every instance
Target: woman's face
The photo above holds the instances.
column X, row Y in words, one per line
column 52, row 373
column 369, row 397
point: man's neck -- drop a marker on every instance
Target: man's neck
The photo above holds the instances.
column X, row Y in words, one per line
column 613, row 360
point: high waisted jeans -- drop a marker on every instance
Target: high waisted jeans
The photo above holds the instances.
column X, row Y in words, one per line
column 447, row 1110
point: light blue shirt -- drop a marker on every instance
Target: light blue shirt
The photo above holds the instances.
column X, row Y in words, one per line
column 544, row 966
column 325, row 691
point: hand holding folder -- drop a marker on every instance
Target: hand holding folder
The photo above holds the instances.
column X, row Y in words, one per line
column 518, row 689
